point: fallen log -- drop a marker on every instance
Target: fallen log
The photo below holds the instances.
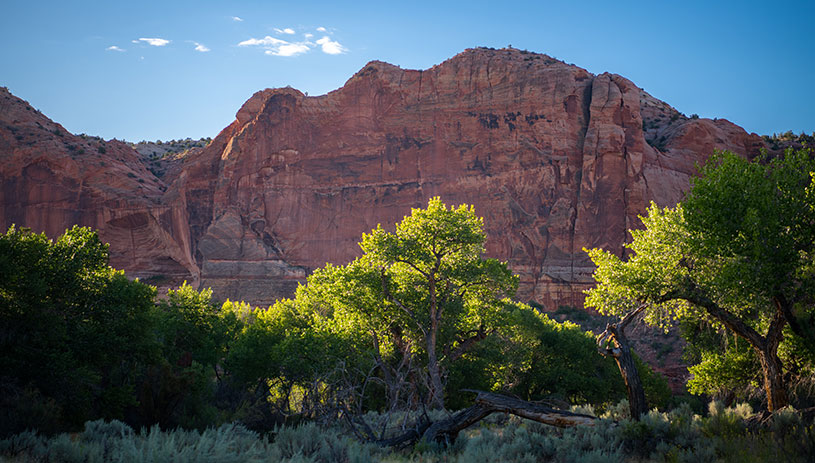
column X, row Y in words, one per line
column 486, row 403
column 533, row 411
column 446, row 430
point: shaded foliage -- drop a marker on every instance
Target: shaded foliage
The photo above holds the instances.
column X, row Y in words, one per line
column 75, row 332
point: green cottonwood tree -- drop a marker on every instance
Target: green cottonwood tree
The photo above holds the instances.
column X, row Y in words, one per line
column 738, row 251
column 420, row 297
column 75, row 334
column 432, row 272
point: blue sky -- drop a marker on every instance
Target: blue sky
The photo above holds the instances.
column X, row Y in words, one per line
column 183, row 68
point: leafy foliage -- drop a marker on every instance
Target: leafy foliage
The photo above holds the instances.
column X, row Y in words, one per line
column 358, row 335
column 75, row 332
column 737, row 254
column 82, row 342
column 436, row 286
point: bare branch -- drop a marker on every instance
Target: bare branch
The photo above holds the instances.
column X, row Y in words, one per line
column 466, row 344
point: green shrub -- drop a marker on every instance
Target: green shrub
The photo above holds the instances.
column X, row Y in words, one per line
column 675, row 436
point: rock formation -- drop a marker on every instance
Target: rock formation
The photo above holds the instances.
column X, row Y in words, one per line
column 51, row 180
column 554, row 158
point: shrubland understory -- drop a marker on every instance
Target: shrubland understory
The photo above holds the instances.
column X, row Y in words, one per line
column 675, row 436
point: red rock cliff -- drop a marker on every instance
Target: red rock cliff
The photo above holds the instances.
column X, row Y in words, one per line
column 51, row 180
column 554, row 158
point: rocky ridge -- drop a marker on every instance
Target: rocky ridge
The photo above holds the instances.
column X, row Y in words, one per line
column 52, row 180
column 554, row 157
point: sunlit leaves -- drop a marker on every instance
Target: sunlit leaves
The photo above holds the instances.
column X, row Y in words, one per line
column 743, row 239
column 654, row 268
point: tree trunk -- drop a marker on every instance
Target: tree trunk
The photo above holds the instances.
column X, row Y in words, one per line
column 436, row 389
column 631, row 377
column 625, row 361
column 774, row 385
column 435, row 394
column 766, row 347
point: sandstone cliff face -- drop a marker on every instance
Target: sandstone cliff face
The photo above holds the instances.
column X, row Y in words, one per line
column 554, row 158
column 51, row 180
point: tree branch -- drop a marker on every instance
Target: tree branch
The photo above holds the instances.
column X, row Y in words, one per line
column 807, row 334
column 424, row 274
column 465, row 344
column 696, row 295
column 387, row 294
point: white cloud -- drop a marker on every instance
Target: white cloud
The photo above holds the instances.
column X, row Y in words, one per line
column 114, row 48
column 156, row 42
column 290, row 49
column 277, row 47
column 236, row 18
column 330, row 46
column 321, row 29
column 287, row 30
column 201, row 47
column 264, row 42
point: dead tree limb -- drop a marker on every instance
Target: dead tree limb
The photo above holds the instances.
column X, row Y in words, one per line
column 533, row 411
column 486, row 403
column 612, row 342
column 446, row 430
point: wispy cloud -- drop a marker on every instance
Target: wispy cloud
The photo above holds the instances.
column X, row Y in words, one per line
column 156, row 42
column 279, row 47
column 237, row 19
column 331, row 47
column 114, row 48
column 264, row 42
column 201, row 47
column 321, row 29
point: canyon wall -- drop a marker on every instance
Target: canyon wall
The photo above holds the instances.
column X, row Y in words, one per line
column 553, row 157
